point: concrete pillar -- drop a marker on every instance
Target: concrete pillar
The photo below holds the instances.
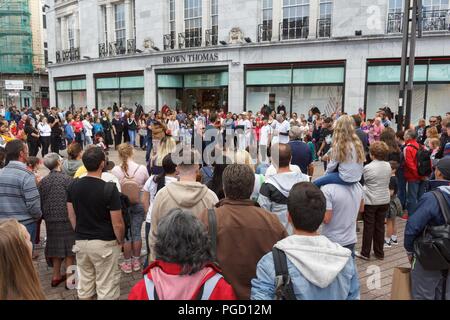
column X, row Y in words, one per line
column 235, row 88
column 354, row 84
column 277, row 18
column 206, row 19
column 64, row 40
column 58, row 35
column 150, row 89
column 52, row 90
column 179, row 19
column 129, row 20
column 76, row 29
column 110, row 22
column 314, row 14
column 90, row 90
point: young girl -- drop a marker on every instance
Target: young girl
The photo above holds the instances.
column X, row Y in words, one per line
column 99, row 142
column 434, row 145
column 395, row 209
column 98, row 127
column 346, row 155
column 309, row 142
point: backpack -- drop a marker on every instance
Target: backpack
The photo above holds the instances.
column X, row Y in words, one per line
column 131, row 188
column 125, row 206
column 205, row 292
column 432, row 249
column 423, row 159
column 284, row 289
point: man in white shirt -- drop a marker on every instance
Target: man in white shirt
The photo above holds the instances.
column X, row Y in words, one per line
column 283, row 129
column 247, row 129
column 88, row 130
column 265, row 136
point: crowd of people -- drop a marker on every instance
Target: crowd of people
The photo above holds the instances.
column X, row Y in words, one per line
column 233, row 226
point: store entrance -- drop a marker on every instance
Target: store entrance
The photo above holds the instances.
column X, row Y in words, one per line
column 210, row 98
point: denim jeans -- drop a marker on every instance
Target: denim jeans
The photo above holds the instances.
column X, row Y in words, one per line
column 149, row 147
column 415, row 191
column 401, row 187
column 88, row 140
column 331, row 178
column 351, row 247
column 31, row 228
column 147, row 232
column 132, row 135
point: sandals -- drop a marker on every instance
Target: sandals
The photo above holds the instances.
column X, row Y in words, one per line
column 56, row 283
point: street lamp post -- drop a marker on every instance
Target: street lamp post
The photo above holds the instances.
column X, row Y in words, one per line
column 412, row 14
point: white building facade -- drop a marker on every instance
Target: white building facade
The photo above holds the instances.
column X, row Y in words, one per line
column 334, row 54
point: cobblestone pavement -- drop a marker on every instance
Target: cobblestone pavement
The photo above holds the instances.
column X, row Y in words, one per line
column 369, row 271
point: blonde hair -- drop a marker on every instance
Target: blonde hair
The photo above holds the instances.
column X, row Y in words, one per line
column 125, row 151
column 432, row 132
column 434, row 143
column 18, row 277
column 166, row 146
column 243, row 157
column 344, row 139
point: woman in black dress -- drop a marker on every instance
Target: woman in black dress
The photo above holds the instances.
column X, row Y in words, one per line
column 107, row 127
column 32, row 138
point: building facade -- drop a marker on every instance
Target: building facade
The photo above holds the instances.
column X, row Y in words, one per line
column 23, row 72
column 336, row 55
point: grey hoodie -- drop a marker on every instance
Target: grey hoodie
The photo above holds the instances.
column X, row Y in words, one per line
column 70, row 167
column 275, row 191
column 319, row 259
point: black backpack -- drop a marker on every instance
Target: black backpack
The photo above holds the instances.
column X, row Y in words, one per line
column 432, row 249
column 284, row 289
column 423, row 159
column 125, row 206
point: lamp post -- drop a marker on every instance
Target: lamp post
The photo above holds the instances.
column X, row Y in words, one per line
column 412, row 13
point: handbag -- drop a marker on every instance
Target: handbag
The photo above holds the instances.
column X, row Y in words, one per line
column 63, row 144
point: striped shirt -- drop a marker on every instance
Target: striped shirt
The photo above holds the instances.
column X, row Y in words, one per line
column 19, row 195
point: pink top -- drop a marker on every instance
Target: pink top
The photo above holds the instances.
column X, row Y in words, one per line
column 377, row 131
column 141, row 175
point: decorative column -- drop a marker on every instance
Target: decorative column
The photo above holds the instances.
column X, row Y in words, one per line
column 76, row 31
column 64, row 44
column 314, row 14
column 129, row 20
column 110, row 22
column 206, row 19
column 277, row 17
column 179, row 19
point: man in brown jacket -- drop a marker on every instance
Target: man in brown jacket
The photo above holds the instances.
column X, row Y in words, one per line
column 245, row 232
column 186, row 194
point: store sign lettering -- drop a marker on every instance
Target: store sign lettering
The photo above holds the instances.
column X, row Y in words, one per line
column 189, row 58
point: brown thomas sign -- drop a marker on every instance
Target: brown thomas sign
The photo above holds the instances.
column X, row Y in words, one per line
column 191, row 57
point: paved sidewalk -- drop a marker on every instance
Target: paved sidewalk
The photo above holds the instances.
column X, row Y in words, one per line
column 368, row 270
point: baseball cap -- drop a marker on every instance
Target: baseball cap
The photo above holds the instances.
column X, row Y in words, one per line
column 444, row 167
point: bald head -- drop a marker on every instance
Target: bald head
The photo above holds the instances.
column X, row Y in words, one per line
column 284, row 156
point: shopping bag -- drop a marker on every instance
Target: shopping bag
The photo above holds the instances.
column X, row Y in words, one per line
column 401, row 284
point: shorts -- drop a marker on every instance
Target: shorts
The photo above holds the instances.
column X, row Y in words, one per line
column 98, row 269
column 137, row 217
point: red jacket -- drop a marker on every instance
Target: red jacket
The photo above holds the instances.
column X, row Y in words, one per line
column 411, row 173
column 222, row 291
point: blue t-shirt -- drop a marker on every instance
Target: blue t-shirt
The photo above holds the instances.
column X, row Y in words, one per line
column 301, row 155
column 98, row 128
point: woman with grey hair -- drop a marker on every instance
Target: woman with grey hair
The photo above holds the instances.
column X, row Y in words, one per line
column 60, row 234
column 183, row 269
